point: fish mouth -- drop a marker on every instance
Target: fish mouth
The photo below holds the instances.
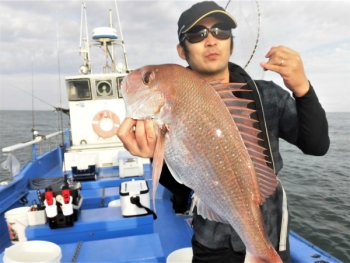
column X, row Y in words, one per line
column 137, row 109
column 124, row 86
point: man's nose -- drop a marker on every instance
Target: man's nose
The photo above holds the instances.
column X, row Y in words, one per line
column 210, row 40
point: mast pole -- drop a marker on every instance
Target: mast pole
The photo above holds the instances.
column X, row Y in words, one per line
column 121, row 35
column 112, row 47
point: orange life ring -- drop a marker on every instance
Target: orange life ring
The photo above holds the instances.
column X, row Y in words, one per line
column 96, row 123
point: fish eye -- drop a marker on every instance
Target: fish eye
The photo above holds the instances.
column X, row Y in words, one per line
column 147, row 79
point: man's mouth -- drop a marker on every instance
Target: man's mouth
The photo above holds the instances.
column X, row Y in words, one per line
column 212, row 56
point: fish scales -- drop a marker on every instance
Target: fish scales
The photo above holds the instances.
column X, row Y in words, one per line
column 203, row 149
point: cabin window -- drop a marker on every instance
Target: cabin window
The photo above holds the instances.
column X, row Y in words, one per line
column 119, row 86
column 79, row 90
column 104, row 88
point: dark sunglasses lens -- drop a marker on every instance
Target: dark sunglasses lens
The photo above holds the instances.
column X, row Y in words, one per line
column 198, row 33
column 197, row 37
column 220, row 33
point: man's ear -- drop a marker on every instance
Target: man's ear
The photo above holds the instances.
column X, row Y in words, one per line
column 181, row 51
column 231, row 46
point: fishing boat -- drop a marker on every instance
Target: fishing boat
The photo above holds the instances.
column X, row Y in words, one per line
column 86, row 194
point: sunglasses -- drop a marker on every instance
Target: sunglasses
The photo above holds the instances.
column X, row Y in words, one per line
column 198, row 33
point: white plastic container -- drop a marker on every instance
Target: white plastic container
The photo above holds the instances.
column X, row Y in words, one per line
column 129, row 165
column 114, row 203
column 36, row 217
column 33, row 251
column 17, row 221
column 183, row 255
column 131, row 190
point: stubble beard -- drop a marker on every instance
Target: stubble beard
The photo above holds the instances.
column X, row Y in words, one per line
column 213, row 71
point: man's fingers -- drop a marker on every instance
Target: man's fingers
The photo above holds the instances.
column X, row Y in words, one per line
column 126, row 134
column 140, row 135
column 289, row 65
column 150, row 132
column 125, row 130
column 125, row 127
column 280, row 51
column 145, row 137
column 274, row 67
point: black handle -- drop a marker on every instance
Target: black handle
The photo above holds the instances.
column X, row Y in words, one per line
column 136, row 201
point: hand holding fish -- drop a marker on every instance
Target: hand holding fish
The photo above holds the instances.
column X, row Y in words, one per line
column 289, row 65
column 138, row 137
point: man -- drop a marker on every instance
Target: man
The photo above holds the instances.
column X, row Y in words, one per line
column 206, row 43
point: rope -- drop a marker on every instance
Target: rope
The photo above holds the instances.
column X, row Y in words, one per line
column 42, row 183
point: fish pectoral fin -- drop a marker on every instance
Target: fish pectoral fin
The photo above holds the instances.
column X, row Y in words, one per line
column 205, row 211
column 158, row 158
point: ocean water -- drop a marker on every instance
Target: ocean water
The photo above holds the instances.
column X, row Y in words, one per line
column 318, row 188
column 16, row 127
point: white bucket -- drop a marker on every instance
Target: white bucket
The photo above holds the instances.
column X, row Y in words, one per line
column 33, row 251
column 183, row 255
column 114, row 203
column 17, row 221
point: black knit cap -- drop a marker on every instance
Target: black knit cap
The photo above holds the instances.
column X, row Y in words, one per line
column 200, row 10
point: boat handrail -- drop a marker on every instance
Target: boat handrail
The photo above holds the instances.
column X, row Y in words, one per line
column 62, row 139
column 95, row 146
column 38, row 139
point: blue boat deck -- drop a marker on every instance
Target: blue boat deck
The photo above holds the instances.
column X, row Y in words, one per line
column 139, row 239
column 168, row 235
column 106, row 235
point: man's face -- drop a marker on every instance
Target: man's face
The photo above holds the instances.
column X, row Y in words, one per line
column 209, row 58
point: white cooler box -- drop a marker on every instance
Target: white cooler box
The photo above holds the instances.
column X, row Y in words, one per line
column 129, row 165
column 132, row 195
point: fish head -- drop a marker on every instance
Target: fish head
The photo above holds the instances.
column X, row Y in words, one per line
column 146, row 93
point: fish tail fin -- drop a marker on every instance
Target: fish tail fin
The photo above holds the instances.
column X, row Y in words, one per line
column 158, row 159
column 270, row 257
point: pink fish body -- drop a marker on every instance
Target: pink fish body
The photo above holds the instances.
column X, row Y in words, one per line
column 205, row 149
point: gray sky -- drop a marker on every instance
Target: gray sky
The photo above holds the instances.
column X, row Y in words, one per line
column 318, row 30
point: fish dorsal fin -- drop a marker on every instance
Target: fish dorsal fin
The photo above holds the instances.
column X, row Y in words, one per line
column 238, row 108
column 158, row 159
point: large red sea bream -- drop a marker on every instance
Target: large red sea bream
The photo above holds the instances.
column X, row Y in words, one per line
column 205, row 149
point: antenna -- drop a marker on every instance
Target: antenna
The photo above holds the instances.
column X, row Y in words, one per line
column 105, row 37
column 120, row 26
column 59, row 85
column 33, row 128
column 121, row 35
column 112, row 47
column 86, row 68
column 81, row 24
